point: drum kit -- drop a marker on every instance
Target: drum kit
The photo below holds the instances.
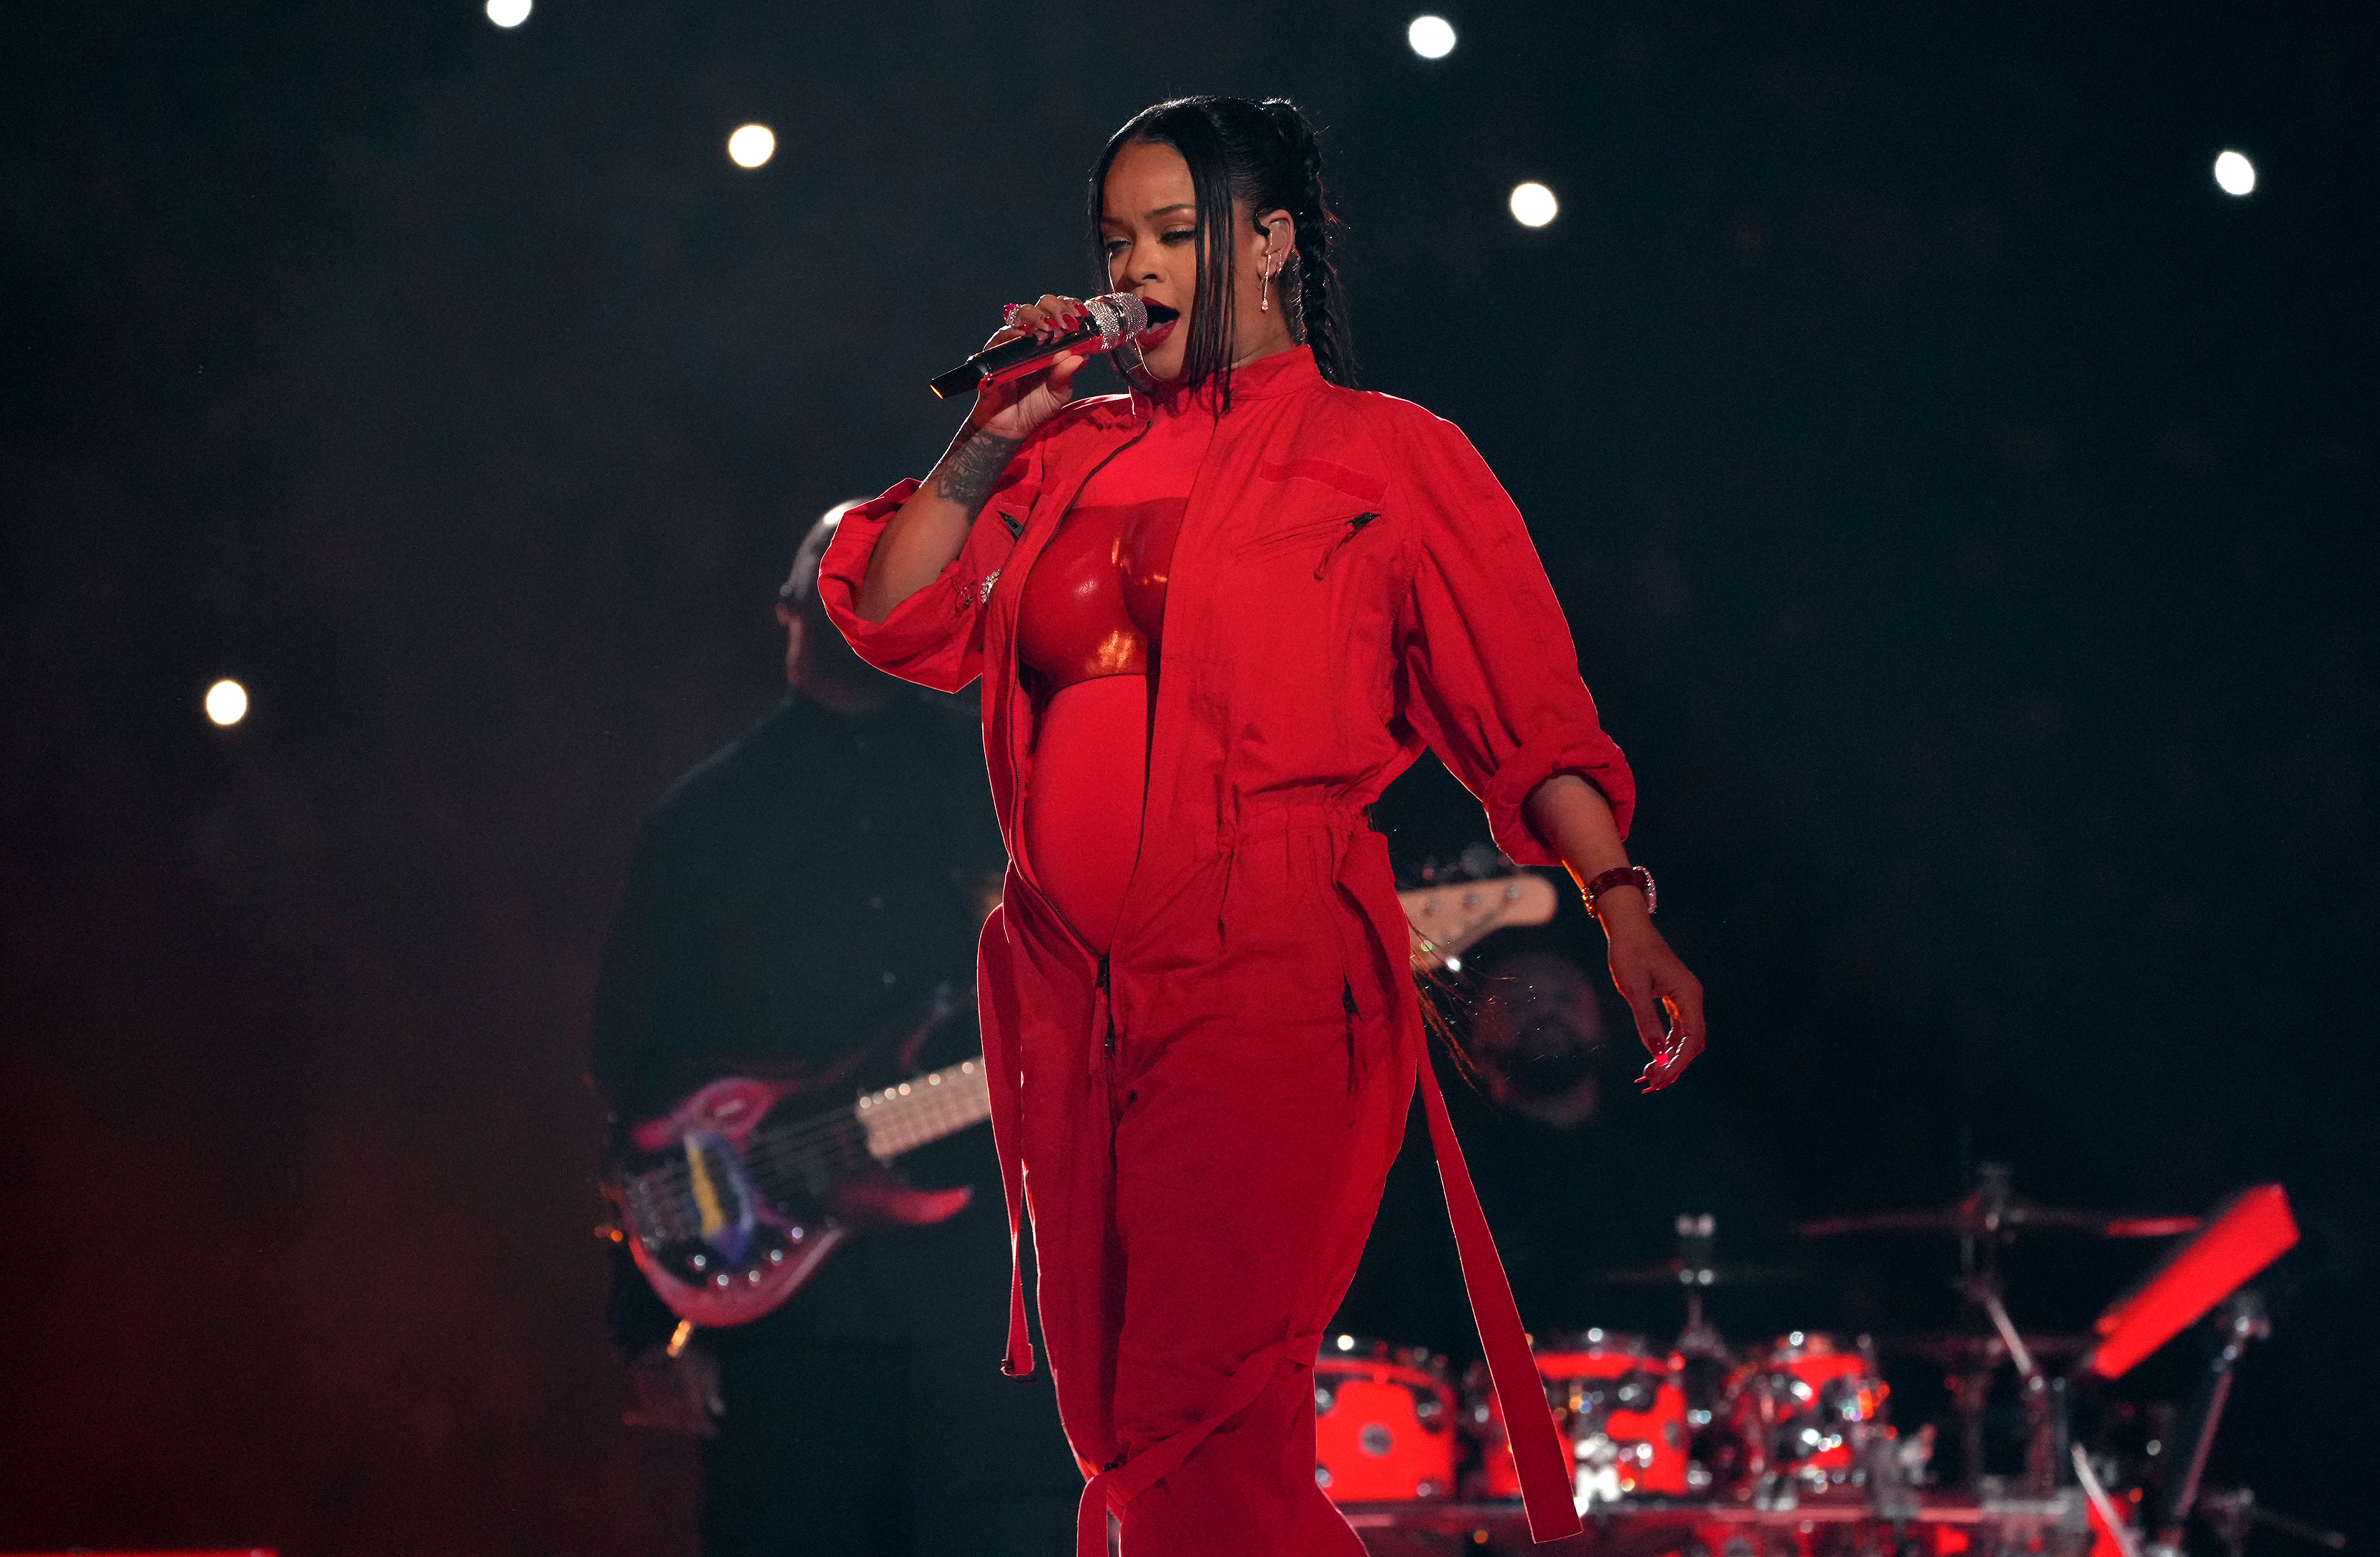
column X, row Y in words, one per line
column 1787, row 1447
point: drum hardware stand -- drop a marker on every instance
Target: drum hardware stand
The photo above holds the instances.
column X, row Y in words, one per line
column 2230, row 1513
column 2045, row 1399
column 1889, row 1491
column 1979, row 1279
column 2245, row 1320
column 1697, row 1260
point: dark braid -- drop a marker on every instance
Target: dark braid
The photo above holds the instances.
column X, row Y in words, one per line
column 1262, row 155
column 1322, row 310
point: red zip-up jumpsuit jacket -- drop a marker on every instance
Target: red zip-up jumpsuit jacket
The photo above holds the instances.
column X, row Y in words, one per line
column 1200, row 1123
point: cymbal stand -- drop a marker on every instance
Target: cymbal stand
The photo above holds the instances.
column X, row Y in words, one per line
column 2231, row 1511
column 1697, row 1246
column 1978, row 1275
column 1706, row 1356
column 2045, row 1399
column 2245, row 1320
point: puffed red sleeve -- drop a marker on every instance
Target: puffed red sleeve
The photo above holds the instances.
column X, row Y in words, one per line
column 1493, row 676
column 934, row 637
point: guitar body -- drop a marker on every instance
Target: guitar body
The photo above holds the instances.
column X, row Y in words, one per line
column 723, row 1236
column 728, row 1206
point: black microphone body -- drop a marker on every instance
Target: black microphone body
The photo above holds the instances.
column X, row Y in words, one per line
column 1109, row 321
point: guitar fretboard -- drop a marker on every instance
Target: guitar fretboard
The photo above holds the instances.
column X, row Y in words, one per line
column 901, row 1117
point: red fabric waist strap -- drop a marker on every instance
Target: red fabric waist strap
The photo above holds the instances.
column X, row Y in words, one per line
column 1002, row 1067
column 1537, row 1450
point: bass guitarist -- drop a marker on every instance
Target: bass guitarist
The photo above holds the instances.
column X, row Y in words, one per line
column 795, row 902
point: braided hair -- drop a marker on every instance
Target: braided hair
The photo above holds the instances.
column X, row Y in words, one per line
column 1263, row 154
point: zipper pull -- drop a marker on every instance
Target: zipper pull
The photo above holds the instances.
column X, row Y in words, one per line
column 1354, row 528
column 1111, row 1035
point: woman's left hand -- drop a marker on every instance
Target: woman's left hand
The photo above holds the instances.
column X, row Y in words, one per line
column 1655, row 984
column 1572, row 817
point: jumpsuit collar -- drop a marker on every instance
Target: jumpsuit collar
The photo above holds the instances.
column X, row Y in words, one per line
column 1281, row 373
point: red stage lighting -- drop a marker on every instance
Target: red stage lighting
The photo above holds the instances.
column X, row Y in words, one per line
column 2246, row 1233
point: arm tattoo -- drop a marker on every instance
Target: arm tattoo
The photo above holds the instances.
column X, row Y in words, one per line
column 975, row 461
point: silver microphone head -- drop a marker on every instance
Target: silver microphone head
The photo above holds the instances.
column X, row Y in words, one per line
column 1120, row 317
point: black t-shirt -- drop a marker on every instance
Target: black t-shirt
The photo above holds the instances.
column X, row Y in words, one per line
column 795, row 899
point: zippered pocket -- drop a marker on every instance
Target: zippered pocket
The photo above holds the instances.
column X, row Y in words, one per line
column 1337, row 531
column 1355, row 526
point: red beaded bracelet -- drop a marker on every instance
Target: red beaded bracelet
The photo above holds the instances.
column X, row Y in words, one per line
column 1624, row 875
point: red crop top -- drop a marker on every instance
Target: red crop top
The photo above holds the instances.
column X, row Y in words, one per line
column 1095, row 601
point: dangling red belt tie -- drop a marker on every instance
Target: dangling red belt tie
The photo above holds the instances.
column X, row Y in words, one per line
column 1538, row 1452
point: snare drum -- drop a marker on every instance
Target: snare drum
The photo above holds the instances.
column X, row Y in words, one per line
column 1383, row 1422
column 1621, row 1405
column 1806, row 1408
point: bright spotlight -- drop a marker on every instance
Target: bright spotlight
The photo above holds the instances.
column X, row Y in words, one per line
column 508, row 13
column 2235, row 174
column 1431, row 37
column 751, row 146
column 1534, row 205
column 226, row 703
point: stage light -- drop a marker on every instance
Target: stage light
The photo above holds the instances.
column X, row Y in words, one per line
column 1534, row 205
column 752, row 145
column 226, row 703
column 2235, row 174
column 508, row 13
column 1431, row 37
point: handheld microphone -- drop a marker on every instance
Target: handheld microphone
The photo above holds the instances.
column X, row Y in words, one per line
column 1109, row 320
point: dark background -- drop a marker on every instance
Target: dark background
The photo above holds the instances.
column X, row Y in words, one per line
column 1965, row 509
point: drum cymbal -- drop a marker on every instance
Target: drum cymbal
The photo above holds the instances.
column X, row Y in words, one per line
column 1973, row 1217
column 1711, row 1273
column 1960, row 1350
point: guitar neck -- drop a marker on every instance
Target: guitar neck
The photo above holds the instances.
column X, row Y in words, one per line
column 904, row 1117
column 1447, row 919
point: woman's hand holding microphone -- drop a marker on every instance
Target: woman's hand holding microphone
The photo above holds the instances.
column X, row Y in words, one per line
column 1013, row 408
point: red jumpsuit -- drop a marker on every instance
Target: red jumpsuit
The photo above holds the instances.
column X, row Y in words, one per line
column 1199, row 1121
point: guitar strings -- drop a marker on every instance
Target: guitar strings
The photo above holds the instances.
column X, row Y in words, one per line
column 939, row 1104
column 837, row 1134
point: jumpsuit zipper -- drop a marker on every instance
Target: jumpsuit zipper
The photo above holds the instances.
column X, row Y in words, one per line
column 1106, row 1007
column 1354, row 528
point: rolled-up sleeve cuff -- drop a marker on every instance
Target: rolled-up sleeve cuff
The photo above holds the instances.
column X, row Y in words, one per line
column 1595, row 758
column 919, row 626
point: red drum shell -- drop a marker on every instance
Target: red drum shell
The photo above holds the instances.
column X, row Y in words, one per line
column 1383, row 1426
column 1645, row 1453
column 1821, row 1401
